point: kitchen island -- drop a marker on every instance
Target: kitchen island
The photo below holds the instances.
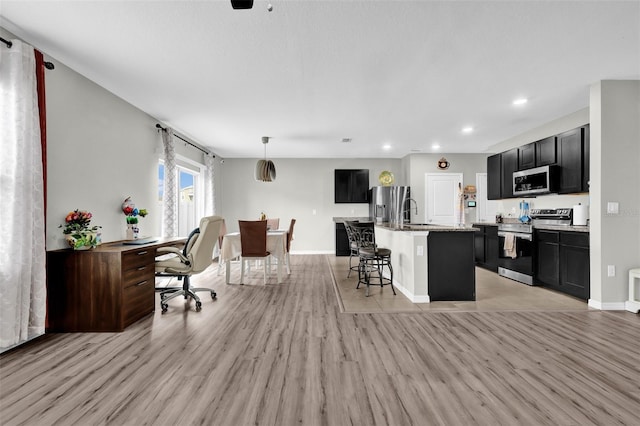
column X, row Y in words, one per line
column 431, row 262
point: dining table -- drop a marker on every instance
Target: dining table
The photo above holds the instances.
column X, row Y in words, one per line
column 232, row 248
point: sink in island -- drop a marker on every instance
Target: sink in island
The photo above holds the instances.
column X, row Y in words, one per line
column 431, row 262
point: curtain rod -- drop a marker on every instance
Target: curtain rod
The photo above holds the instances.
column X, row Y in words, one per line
column 47, row 65
column 159, row 127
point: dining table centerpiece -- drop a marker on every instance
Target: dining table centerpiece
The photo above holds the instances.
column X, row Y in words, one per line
column 132, row 213
column 80, row 235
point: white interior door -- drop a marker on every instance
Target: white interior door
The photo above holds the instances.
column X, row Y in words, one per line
column 442, row 197
column 485, row 209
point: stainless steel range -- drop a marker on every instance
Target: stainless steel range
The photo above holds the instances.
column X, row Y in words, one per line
column 515, row 260
column 516, row 242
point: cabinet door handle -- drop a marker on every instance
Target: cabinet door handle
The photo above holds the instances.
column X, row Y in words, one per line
column 142, row 268
column 142, row 283
column 140, row 253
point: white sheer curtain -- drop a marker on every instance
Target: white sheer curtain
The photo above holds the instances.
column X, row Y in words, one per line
column 170, row 198
column 209, row 186
column 22, row 245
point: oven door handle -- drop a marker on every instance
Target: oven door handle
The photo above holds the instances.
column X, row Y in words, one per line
column 527, row 237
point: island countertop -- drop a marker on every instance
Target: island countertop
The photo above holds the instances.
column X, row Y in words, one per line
column 421, row 227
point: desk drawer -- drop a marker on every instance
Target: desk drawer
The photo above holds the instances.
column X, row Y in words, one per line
column 138, row 301
column 137, row 258
column 136, row 276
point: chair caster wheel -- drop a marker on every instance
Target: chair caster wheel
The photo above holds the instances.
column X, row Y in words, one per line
column 198, row 306
column 164, row 307
column 213, row 295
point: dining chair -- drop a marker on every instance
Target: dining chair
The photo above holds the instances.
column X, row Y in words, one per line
column 253, row 239
column 273, row 224
column 288, row 247
column 223, row 231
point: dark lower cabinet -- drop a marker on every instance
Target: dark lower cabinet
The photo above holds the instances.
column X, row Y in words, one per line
column 562, row 262
column 486, row 247
column 451, row 266
column 547, row 258
column 342, row 241
column 574, row 264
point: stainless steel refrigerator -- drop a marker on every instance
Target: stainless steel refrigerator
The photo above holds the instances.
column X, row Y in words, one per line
column 390, row 204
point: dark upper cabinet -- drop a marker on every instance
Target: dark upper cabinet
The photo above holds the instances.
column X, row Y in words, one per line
column 568, row 150
column 494, row 177
column 509, row 164
column 570, row 157
column 546, row 152
column 585, row 159
column 527, row 156
column 351, row 186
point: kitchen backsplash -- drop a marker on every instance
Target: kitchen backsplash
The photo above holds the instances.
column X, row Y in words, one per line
column 511, row 207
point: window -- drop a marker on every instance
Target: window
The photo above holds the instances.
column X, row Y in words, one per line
column 190, row 194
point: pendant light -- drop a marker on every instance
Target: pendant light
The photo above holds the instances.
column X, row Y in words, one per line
column 265, row 169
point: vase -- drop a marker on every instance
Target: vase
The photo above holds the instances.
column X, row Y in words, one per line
column 82, row 240
column 132, row 231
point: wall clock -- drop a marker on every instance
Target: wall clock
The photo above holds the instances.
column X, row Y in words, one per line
column 443, row 164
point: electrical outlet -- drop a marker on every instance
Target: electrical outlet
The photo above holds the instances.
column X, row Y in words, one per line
column 313, row 212
column 611, row 270
column 419, row 250
column 613, row 207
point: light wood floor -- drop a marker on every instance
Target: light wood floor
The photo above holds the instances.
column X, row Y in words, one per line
column 493, row 293
column 284, row 354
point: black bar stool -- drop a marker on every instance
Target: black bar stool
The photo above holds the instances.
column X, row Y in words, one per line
column 372, row 257
column 354, row 243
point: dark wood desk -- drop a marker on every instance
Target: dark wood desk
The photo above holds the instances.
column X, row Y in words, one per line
column 104, row 289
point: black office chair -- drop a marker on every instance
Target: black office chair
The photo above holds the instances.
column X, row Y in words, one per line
column 194, row 258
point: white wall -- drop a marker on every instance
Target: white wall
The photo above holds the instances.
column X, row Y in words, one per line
column 301, row 186
column 420, row 164
column 100, row 150
column 615, row 177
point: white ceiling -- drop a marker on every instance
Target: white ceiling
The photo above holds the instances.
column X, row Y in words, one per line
column 309, row 73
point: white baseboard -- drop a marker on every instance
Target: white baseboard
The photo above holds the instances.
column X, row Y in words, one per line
column 632, row 306
column 610, row 306
column 313, row 252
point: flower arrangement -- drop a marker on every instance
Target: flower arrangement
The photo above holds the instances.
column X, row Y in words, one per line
column 131, row 212
column 80, row 234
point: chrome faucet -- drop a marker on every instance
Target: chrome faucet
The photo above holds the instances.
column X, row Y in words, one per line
column 409, row 209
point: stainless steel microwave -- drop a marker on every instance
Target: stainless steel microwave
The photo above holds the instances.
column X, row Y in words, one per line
column 539, row 180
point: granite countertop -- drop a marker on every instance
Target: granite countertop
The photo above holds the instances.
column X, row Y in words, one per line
column 424, row 227
column 569, row 228
column 340, row 219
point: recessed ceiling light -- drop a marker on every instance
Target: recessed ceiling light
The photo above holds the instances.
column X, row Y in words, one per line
column 435, row 146
column 386, row 147
column 467, row 129
column 520, row 101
